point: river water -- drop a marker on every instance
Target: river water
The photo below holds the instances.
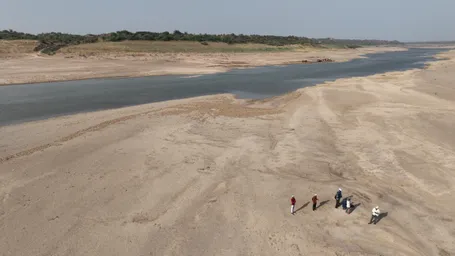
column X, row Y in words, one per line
column 27, row 102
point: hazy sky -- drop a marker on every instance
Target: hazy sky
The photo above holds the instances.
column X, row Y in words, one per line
column 404, row 20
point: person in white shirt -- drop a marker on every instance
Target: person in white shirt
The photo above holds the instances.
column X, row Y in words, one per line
column 293, row 201
column 375, row 215
column 348, row 205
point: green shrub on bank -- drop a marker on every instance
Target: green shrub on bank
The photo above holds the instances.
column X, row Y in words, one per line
column 49, row 43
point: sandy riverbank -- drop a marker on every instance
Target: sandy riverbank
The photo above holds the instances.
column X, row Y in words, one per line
column 79, row 63
column 213, row 175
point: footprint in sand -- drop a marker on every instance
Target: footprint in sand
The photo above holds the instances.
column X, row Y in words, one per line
column 295, row 250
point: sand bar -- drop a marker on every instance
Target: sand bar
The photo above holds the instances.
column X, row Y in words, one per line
column 21, row 66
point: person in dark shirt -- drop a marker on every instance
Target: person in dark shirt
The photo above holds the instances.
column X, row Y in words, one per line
column 338, row 197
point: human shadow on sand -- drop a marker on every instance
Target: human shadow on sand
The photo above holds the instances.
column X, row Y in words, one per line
column 303, row 206
column 380, row 217
column 322, row 204
column 353, row 207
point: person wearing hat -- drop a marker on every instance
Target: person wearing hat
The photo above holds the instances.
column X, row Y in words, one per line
column 315, row 201
column 338, row 197
column 293, row 204
column 375, row 215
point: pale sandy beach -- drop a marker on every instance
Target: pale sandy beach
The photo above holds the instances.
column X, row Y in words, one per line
column 214, row 175
column 21, row 65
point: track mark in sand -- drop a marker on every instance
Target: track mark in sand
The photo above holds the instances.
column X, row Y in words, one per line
column 26, row 152
column 53, row 218
column 224, row 108
column 273, row 141
column 295, row 250
column 443, row 252
column 142, row 218
column 6, row 190
column 145, row 217
column 275, row 242
column 362, row 196
column 281, row 174
column 213, row 200
column 205, row 170
column 104, row 220
column 446, row 219
column 58, row 142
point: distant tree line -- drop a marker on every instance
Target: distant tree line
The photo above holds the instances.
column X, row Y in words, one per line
column 223, row 38
column 51, row 42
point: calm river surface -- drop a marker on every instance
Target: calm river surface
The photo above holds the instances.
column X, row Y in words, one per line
column 21, row 103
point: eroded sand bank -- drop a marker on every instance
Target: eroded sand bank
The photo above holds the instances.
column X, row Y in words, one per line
column 213, row 175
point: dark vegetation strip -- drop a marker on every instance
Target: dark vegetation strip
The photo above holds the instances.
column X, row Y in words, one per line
column 49, row 43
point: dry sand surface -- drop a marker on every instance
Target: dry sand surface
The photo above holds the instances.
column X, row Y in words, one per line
column 20, row 66
column 214, row 175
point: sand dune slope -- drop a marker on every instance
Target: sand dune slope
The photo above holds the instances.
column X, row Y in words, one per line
column 213, row 175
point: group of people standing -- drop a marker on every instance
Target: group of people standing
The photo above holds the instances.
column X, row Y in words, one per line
column 346, row 203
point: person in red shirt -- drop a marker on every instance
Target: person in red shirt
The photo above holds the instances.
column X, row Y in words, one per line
column 315, row 201
column 293, row 204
